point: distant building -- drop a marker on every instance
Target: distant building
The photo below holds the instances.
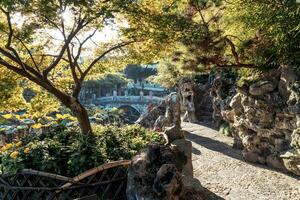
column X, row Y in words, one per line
column 131, row 82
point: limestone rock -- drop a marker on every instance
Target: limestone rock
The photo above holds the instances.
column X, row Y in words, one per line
column 287, row 79
column 291, row 161
column 274, row 162
column 163, row 173
column 185, row 147
column 166, row 114
column 167, row 183
column 173, row 110
column 189, row 193
column 221, row 92
column 160, row 123
column 250, row 156
column 173, row 133
column 264, row 117
column 186, row 91
column 261, row 88
column 296, row 138
column 148, row 119
column 203, row 103
column 142, row 173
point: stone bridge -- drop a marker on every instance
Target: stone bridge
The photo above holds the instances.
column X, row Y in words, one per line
column 139, row 103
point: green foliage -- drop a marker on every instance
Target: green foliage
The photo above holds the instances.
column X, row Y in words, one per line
column 247, row 77
column 10, row 92
column 269, row 31
column 201, row 35
column 168, row 75
column 109, row 116
column 225, row 129
column 106, row 80
column 68, row 152
column 12, row 99
column 138, row 71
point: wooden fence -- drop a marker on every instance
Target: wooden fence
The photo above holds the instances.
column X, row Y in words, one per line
column 107, row 181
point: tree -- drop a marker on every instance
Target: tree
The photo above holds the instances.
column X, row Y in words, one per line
column 29, row 50
column 202, row 35
column 168, row 75
column 138, row 71
column 191, row 29
column 267, row 31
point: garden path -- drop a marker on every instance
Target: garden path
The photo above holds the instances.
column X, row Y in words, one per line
column 222, row 170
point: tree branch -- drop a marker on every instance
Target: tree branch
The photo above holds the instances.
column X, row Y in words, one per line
column 240, row 65
column 233, row 50
column 11, row 67
column 80, row 49
column 64, row 48
column 103, row 55
column 92, row 64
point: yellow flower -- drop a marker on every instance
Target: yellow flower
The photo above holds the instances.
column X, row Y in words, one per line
column 18, row 144
column 3, row 148
column 27, row 150
column 72, row 118
column 6, row 147
column 59, row 116
column 14, row 154
column 37, row 126
column 7, row 116
column 18, row 117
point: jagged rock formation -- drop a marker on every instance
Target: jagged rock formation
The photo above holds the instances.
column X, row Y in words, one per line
column 167, row 114
column 192, row 102
column 264, row 118
column 220, row 92
column 196, row 102
column 203, row 103
column 172, row 115
column 163, row 173
column 148, row 119
column 186, row 92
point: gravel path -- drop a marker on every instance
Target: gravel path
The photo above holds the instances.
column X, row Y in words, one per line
column 222, row 171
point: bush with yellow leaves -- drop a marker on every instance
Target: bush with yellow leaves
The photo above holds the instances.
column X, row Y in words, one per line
column 66, row 151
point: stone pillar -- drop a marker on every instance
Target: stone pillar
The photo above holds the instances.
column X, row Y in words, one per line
column 114, row 94
column 141, row 94
column 151, row 95
column 126, row 93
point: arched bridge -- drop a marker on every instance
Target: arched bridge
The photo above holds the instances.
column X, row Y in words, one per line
column 139, row 103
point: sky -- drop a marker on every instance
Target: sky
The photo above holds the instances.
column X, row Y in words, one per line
column 109, row 33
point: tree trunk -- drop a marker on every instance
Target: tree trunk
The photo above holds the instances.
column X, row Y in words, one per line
column 75, row 106
column 81, row 115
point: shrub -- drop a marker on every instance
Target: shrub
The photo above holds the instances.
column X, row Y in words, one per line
column 225, row 129
column 67, row 152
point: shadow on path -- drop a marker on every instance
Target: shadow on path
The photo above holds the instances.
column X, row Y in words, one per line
column 208, row 195
column 215, row 145
column 227, row 150
column 196, row 151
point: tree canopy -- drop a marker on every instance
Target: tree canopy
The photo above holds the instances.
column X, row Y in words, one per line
column 45, row 41
column 57, row 44
column 205, row 35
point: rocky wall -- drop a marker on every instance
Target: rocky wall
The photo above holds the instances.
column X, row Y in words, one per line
column 264, row 117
